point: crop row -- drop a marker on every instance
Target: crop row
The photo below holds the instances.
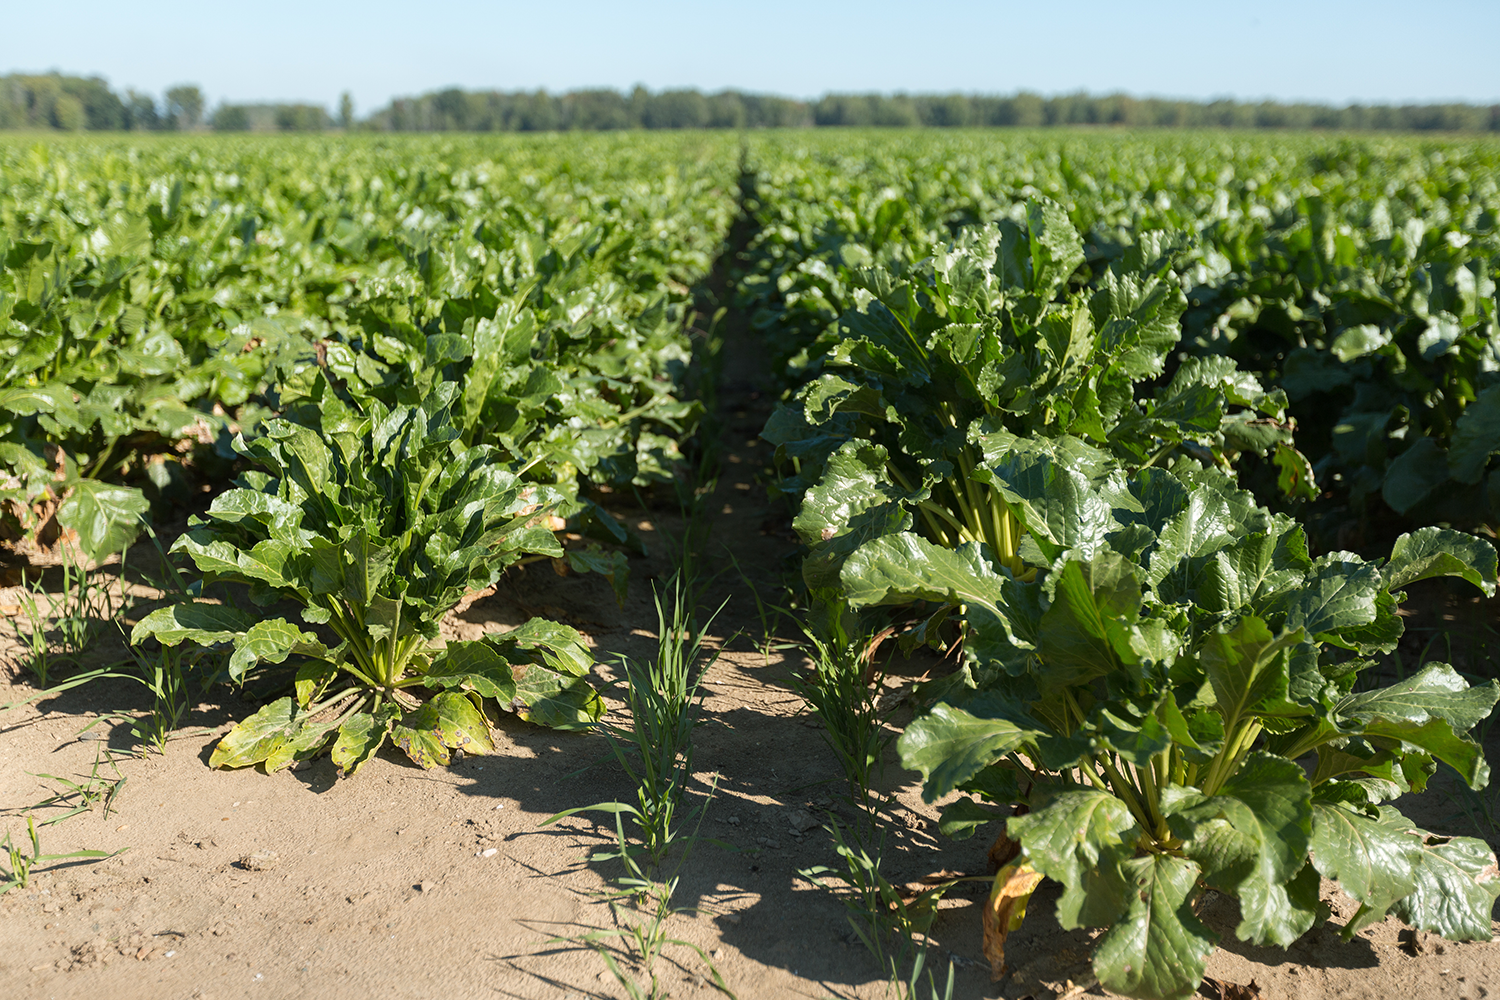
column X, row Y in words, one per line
column 155, row 300
column 1357, row 276
column 1018, row 421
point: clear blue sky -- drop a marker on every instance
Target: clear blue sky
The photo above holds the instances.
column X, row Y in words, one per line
column 1336, row 52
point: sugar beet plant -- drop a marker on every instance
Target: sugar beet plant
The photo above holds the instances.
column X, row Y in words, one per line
column 1178, row 695
column 376, row 521
column 939, row 369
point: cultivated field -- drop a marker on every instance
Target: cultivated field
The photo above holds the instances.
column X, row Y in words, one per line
column 847, row 565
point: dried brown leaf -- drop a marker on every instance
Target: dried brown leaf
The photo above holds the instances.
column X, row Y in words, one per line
column 1005, row 910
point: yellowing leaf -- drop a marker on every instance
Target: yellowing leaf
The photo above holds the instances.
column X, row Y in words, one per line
column 1004, row 911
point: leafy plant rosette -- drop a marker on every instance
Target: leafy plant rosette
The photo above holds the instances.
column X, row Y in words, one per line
column 376, row 523
column 938, row 370
column 1382, row 332
column 1176, row 698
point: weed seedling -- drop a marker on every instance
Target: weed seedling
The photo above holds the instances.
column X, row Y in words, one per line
column 81, row 796
column 644, row 940
column 163, row 672
column 56, row 637
column 881, row 915
column 23, row 864
column 842, row 692
column 770, row 615
column 656, row 750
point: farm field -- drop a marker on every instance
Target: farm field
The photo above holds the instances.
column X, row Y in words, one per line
column 1090, row 515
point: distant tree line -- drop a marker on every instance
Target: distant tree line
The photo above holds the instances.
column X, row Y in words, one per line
column 72, row 103
column 523, row 111
column 539, row 111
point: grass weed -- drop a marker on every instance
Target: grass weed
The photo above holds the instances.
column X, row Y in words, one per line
column 656, row 748
column 23, row 863
column 165, row 672
column 640, row 905
column 59, row 627
column 769, row 616
column 842, row 690
column 93, row 789
column 890, row 923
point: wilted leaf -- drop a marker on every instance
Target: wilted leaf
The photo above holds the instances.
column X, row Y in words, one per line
column 258, row 737
column 448, row 720
column 1005, row 910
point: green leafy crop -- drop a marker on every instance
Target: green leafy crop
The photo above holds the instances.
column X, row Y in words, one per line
column 939, row 371
column 376, row 521
column 1178, row 697
column 154, row 300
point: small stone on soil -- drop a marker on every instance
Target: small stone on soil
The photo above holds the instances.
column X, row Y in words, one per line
column 260, row 861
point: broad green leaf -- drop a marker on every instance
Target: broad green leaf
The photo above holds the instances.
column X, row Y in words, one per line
column 273, row 514
column 307, row 742
column 1414, row 475
column 270, row 640
column 1294, row 477
column 949, row 745
column 1435, row 691
column 1249, row 573
column 1457, row 882
column 852, row 502
column 899, row 569
column 366, row 563
column 107, row 518
column 961, row 818
column 1476, row 437
column 472, row 666
column 612, row 565
column 1129, row 728
column 1373, row 862
column 313, row 679
column 1081, row 838
column 1357, row 341
column 1251, row 839
column 1206, row 524
column 1065, row 493
column 1084, row 634
column 193, row 621
column 1436, row 737
column 1158, row 949
column 556, row 700
column 1247, row 668
column 1340, row 592
column 1056, row 250
column 560, row 647
column 1430, row 552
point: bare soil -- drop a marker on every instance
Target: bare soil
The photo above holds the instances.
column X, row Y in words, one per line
column 401, row 883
